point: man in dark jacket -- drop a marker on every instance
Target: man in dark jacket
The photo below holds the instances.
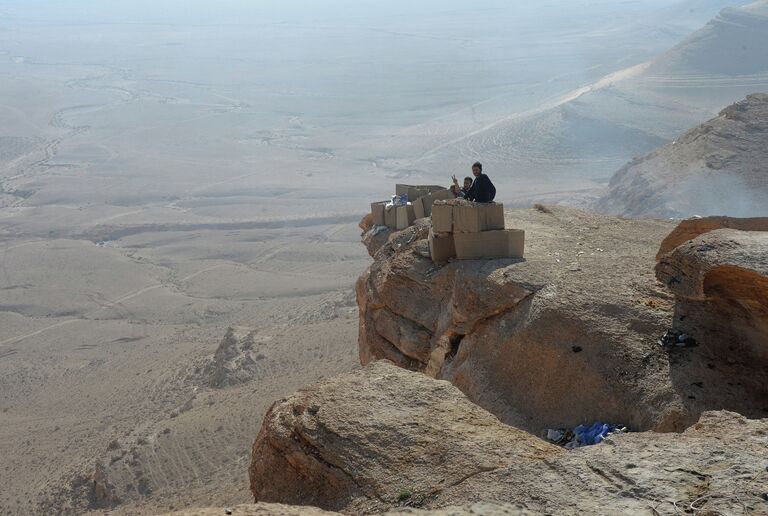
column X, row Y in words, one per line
column 482, row 189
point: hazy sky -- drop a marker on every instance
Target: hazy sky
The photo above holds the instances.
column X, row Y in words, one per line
column 240, row 11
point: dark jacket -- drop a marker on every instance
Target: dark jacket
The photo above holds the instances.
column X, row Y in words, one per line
column 482, row 189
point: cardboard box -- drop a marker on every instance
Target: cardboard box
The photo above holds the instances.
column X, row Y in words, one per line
column 441, row 247
column 428, row 200
column 377, row 210
column 478, row 217
column 405, row 216
column 417, row 191
column 418, row 208
column 442, row 218
column 432, row 188
column 390, row 216
column 505, row 243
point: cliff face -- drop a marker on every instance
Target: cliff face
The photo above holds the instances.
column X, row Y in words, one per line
column 717, row 168
column 568, row 335
column 720, row 282
column 576, row 332
column 382, row 437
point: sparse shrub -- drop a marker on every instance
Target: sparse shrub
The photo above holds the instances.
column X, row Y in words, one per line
column 404, row 495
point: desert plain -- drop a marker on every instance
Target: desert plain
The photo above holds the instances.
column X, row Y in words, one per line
column 172, row 170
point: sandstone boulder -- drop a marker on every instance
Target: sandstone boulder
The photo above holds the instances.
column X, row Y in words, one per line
column 378, row 437
column 382, row 438
column 689, row 229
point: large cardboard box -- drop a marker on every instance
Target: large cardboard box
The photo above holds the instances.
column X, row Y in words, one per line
column 441, row 247
column 428, row 200
column 432, row 188
column 377, row 210
column 405, row 216
column 478, row 217
column 413, row 191
column 442, row 218
column 416, row 191
column 390, row 216
column 505, row 243
column 418, row 208
column 402, row 189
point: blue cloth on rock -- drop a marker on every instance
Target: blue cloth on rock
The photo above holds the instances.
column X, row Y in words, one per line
column 588, row 435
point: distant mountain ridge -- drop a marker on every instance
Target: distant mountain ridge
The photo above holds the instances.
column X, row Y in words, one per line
column 717, row 168
column 733, row 43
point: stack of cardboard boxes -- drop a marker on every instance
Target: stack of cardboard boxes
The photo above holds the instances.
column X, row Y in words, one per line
column 472, row 231
column 420, row 199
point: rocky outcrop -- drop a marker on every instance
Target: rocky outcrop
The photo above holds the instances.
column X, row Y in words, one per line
column 382, row 437
column 689, row 229
column 260, row 509
column 718, row 466
column 720, row 282
column 568, row 335
column 274, row 509
column 374, row 438
column 235, row 360
column 717, row 168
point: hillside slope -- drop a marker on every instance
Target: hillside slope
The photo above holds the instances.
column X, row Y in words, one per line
column 717, row 168
column 731, row 44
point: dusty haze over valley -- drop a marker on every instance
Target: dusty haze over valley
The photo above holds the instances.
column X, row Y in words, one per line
column 181, row 181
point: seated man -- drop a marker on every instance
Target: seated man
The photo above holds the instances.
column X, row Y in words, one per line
column 461, row 192
column 482, row 189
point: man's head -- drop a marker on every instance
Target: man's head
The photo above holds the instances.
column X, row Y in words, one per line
column 477, row 168
column 467, row 183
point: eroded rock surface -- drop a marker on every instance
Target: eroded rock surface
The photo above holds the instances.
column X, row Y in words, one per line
column 718, row 466
column 568, row 335
column 689, row 229
column 720, row 282
column 378, row 437
column 383, row 437
column 274, row 509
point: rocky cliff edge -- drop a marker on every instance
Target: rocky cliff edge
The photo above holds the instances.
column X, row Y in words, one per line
column 568, row 335
column 386, row 439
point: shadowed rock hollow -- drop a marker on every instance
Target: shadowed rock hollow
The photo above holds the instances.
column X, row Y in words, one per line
column 720, row 282
column 566, row 336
